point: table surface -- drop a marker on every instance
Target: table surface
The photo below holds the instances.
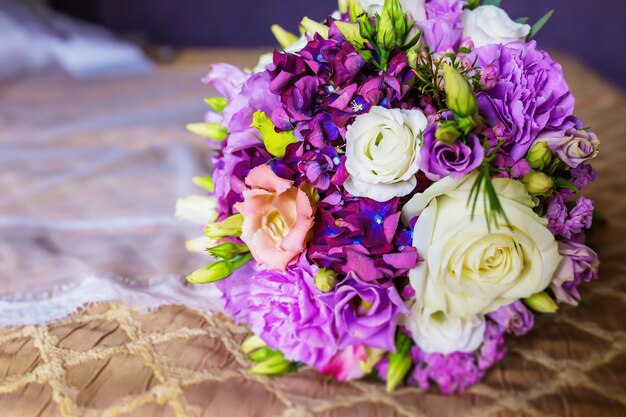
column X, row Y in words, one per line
column 93, row 170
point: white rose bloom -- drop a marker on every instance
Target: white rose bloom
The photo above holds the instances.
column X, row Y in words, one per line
column 415, row 8
column 433, row 332
column 382, row 153
column 468, row 269
column 487, row 25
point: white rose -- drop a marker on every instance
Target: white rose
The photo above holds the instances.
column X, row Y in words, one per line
column 487, row 25
column 433, row 332
column 382, row 151
column 415, row 8
column 467, row 268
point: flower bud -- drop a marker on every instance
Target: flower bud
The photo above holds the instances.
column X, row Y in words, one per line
column 385, row 31
column 275, row 364
column 342, row 6
column 541, row 303
column 351, row 33
column 366, row 28
column 261, row 355
column 356, row 10
column 489, row 76
column 459, row 94
column 466, row 123
column 213, row 131
column 399, row 19
column 538, row 184
column 199, row 244
column 373, row 357
column 399, row 365
column 466, row 46
column 251, row 344
column 411, row 57
column 214, row 272
column 312, row 27
column 227, row 250
column 199, row 209
column 217, row 103
column 447, row 132
column 284, row 38
column 325, row 280
column 228, row 227
column 539, row 156
column 204, row 182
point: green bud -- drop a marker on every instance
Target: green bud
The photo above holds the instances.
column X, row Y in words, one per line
column 261, row 355
column 204, row 182
column 411, row 57
column 283, row 37
column 342, row 6
column 541, row 303
column 275, row 364
column 251, row 344
column 356, row 10
column 472, row 4
column 539, row 156
column 213, row 131
column 312, row 27
column 214, row 272
column 385, row 31
column 217, row 103
column 459, row 94
column 538, row 184
column 366, row 28
column 447, row 132
column 228, row 250
column 466, row 123
column 397, row 369
column 399, row 19
column 325, row 280
column 351, row 33
column 228, row 227
column 373, row 357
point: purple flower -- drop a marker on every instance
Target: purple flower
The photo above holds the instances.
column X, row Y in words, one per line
column 362, row 236
column 317, row 166
column 442, row 30
column 226, row 79
column 286, row 312
column 582, row 176
column 235, row 292
column 514, row 318
column 568, row 223
column 573, row 144
column 438, row 159
column 580, row 264
column 489, row 76
column 456, row 371
column 365, row 312
column 530, row 96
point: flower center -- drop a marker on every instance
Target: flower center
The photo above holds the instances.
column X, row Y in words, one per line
column 275, row 226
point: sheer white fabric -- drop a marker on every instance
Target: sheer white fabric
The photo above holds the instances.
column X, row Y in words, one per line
column 89, row 175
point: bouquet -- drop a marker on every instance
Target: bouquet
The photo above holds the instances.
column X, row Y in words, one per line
column 394, row 192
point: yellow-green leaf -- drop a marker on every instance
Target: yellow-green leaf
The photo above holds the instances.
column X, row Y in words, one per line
column 275, row 142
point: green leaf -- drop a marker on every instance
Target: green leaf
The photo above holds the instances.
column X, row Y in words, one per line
column 540, row 23
column 275, row 142
column 204, row 182
column 563, row 183
column 492, row 3
column 521, row 20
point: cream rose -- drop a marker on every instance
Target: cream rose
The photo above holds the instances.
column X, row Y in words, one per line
column 434, row 332
column 468, row 269
column 487, row 25
column 382, row 153
column 415, row 8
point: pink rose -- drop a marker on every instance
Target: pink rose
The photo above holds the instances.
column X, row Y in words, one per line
column 346, row 364
column 277, row 218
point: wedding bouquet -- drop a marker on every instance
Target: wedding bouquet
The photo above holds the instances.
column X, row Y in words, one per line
column 394, row 192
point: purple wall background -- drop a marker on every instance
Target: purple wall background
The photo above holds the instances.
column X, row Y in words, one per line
column 592, row 30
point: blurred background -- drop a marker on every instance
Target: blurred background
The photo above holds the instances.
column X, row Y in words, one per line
column 592, row 31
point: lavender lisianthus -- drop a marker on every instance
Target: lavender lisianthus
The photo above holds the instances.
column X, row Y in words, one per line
column 514, row 318
column 530, row 94
column 438, row 159
column 571, row 143
column 365, row 312
column 236, row 291
column 226, row 79
column 442, row 30
column 286, row 312
column 580, row 264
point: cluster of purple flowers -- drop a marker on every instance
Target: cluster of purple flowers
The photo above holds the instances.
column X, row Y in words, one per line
column 341, row 302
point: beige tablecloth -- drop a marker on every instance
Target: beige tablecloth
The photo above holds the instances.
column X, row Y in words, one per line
column 89, row 173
